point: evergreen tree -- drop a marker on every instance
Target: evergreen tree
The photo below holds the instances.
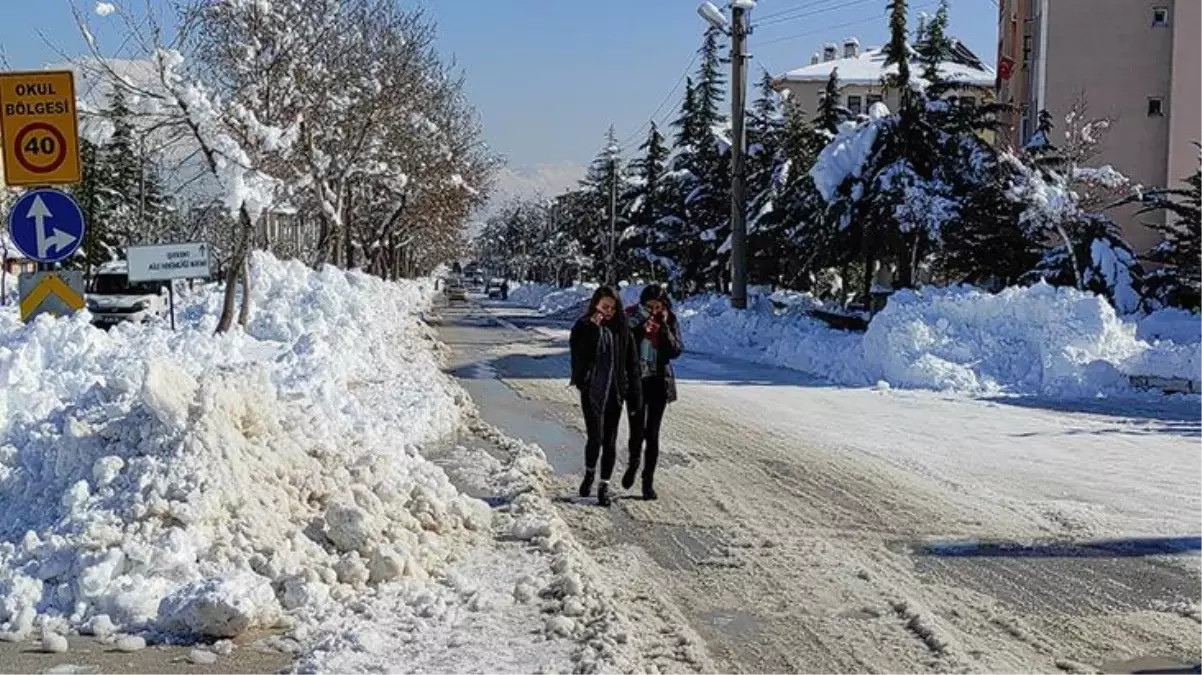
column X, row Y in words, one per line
column 699, row 220
column 815, row 241
column 648, row 204
column 766, row 168
column 1178, row 282
column 985, row 243
column 593, row 224
column 897, row 51
column 831, row 113
column 95, row 201
column 124, row 166
column 933, row 48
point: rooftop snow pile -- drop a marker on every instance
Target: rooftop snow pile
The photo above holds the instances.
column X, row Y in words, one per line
column 208, row 485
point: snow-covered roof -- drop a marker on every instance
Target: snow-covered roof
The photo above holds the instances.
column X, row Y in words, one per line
column 868, row 68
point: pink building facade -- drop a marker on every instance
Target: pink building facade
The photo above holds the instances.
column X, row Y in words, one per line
column 1137, row 62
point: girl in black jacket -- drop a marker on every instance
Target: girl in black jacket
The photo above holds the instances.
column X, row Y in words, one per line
column 606, row 371
column 657, row 341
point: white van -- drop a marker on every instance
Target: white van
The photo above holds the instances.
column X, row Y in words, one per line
column 113, row 299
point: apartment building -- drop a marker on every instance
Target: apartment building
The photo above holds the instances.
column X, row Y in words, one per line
column 1137, row 62
column 862, row 76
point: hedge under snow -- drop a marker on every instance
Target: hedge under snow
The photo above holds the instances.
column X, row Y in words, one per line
column 186, row 483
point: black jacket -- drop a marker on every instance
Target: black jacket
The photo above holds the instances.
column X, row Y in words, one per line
column 583, row 345
column 671, row 346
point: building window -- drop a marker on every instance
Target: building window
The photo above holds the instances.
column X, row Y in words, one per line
column 855, row 104
column 1155, row 106
column 1160, row 16
column 872, row 99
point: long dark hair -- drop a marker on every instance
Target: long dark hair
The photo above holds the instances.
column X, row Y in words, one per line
column 601, row 293
column 657, row 292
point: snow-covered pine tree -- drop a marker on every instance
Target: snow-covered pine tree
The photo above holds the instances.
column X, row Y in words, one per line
column 768, row 242
column 705, row 184
column 1090, row 251
column 648, row 204
column 592, row 226
column 1178, row 280
column 831, row 112
column 123, row 154
column 98, row 202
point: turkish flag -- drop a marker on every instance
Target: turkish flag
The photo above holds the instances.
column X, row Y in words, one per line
column 1005, row 67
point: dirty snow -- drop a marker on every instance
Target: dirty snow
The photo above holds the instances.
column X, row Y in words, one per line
column 174, row 481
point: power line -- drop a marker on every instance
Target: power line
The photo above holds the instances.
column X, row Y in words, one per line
column 822, row 7
column 652, row 117
column 830, row 28
column 773, row 15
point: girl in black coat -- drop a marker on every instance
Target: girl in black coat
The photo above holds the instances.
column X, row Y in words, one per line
column 606, row 371
column 657, row 342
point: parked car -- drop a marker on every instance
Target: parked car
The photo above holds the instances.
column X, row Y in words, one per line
column 456, row 291
column 494, row 289
column 112, row 298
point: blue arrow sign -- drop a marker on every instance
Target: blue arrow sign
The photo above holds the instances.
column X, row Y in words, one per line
column 46, row 225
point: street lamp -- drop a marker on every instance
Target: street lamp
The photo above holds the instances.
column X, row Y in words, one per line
column 738, row 30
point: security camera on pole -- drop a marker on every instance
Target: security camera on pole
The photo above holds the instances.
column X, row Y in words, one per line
column 738, row 30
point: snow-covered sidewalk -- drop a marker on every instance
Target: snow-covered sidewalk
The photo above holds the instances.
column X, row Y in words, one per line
column 184, row 486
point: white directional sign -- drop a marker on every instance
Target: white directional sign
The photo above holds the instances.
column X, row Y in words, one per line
column 168, row 261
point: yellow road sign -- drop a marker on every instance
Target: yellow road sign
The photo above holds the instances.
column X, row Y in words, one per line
column 43, row 292
column 40, row 128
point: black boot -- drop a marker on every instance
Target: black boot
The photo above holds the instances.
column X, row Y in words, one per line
column 603, row 493
column 632, row 470
column 648, row 489
column 586, row 485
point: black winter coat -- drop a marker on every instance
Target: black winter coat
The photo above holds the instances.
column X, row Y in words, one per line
column 583, row 346
column 671, row 346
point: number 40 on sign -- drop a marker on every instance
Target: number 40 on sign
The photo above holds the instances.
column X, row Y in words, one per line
column 40, row 128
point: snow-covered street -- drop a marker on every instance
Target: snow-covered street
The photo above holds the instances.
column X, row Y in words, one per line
column 806, row 527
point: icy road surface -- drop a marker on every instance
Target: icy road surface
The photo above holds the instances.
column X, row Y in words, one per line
column 810, row 528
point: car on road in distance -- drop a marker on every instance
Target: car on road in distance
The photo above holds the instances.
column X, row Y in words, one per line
column 456, row 291
column 494, row 289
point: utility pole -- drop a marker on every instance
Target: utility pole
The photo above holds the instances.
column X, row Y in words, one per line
column 738, row 203
column 611, row 271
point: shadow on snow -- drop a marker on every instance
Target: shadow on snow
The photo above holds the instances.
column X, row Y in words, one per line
column 1132, row 547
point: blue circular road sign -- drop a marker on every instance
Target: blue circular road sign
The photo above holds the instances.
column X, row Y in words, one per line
column 46, row 225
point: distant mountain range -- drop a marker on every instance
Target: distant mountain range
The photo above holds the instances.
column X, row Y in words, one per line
column 540, row 180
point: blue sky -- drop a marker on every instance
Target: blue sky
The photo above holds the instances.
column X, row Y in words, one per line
column 550, row 76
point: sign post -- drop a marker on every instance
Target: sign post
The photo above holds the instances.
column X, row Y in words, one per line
column 168, row 262
column 40, row 128
column 47, row 226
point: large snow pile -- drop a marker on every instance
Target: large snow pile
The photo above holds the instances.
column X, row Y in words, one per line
column 1038, row 340
column 1175, row 325
column 208, row 485
column 792, row 340
column 567, row 301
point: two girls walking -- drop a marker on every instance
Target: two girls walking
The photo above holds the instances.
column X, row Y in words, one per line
column 624, row 360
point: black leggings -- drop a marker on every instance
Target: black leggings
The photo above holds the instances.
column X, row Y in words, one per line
column 644, row 427
column 602, row 433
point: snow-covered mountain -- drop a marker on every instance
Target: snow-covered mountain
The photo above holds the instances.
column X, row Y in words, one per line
column 546, row 180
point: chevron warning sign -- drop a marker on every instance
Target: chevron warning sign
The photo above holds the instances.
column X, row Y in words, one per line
column 59, row 293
